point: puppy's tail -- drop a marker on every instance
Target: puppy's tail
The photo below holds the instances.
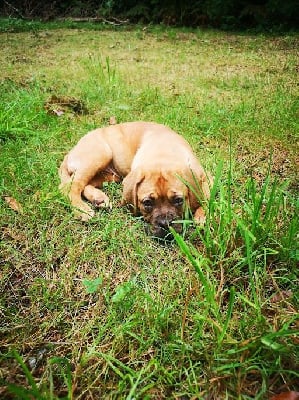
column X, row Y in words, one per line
column 65, row 176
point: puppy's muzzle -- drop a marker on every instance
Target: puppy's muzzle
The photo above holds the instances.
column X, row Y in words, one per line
column 162, row 223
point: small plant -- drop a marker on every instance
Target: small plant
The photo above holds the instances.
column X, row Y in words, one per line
column 91, row 286
column 58, row 367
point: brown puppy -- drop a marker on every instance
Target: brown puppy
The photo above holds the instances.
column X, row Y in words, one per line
column 161, row 175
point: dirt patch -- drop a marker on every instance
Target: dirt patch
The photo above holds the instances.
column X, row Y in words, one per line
column 59, row 105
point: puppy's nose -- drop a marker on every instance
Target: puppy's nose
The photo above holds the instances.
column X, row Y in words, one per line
column 163, row 222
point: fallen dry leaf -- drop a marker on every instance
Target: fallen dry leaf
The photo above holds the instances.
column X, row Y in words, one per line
column 59, row 113
column 283, row 295
column 286, row 396
column 112, row 120
column 13, row 204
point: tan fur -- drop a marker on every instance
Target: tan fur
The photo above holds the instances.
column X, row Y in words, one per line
column 155, row 164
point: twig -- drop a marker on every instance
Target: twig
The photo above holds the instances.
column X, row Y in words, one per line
column 14, row 8
column 113, row 21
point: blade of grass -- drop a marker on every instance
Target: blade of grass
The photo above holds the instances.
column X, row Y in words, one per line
column 228, row 314
column 34, row 389
column 65, row 369
column 197, row 264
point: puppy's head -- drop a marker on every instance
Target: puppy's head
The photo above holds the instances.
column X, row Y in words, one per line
column 160, row 197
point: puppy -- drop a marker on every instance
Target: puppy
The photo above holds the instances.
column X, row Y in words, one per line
column 161, row 176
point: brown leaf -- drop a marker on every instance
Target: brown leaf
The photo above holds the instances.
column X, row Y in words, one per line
column 59, row 113
column 286, row 396
column 13, row 204
column 112, row 120
column 280, row 296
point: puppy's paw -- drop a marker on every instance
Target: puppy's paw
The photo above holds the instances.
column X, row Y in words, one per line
column 84, row 213
column 96, row 197
column 101, row 201
column 200, row 216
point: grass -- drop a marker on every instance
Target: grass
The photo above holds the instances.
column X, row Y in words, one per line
column 100, row 310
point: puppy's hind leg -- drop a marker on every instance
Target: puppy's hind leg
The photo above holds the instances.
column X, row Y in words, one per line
column 73, row 188
column 83, row 164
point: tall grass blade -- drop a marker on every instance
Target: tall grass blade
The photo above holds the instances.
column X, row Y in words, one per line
column 252, row 276
column 197, row 264
column 116, row 365
column 230, row 178
column 34, row 389
column 22, row 393
column 258, row 201
column 231, row 300
column 65, row 369
column 215, row 186
column 138, row 380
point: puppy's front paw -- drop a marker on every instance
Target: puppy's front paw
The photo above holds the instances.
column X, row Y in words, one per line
column 84, row 213
column 200, row 216
column 101, row 201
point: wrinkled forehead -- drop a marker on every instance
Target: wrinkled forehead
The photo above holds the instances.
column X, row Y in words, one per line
column 162, row 184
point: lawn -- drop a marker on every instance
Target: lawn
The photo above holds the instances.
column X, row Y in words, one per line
column 101, row 310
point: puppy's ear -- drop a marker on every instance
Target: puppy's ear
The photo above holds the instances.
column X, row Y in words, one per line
column 199, row 184
column 130, row 188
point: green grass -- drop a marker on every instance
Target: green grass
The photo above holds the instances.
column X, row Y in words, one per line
column 101, row 310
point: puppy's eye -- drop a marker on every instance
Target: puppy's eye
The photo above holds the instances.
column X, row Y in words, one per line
column 148, row 203
column 178, row 201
